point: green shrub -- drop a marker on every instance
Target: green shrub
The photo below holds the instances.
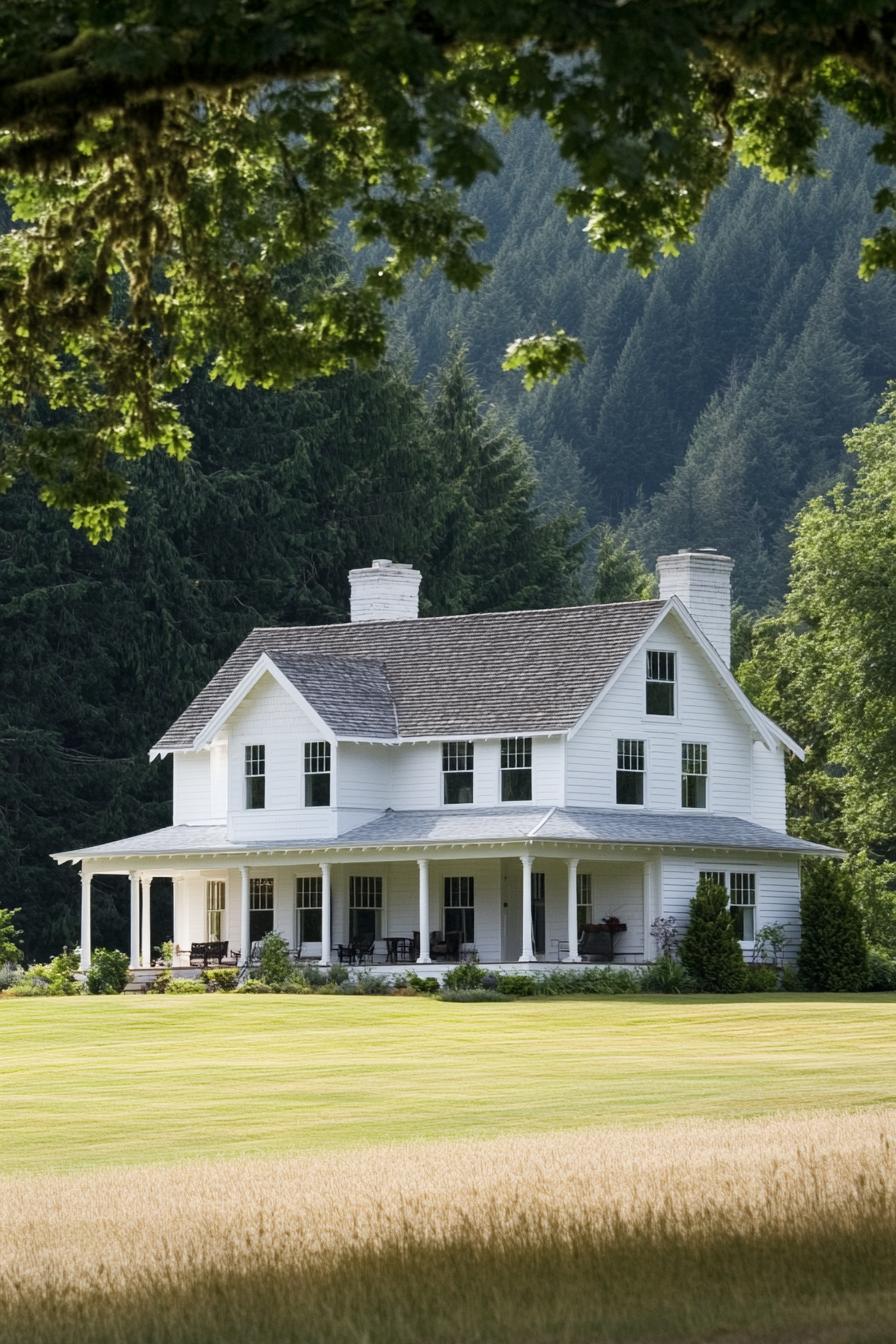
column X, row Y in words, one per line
column 468, row 975
column 10, row 936
column 760, row 979
column 789, row 980
column 179, row 985
column 604, row 980
column 833, row 954
column 54, row 978
column 108, row 973
column 667, row 976
column 368, row 983
column 881, row 970
column 10, row 975
column 161, row 983
column 275, row 963
column 255, row 987
column 166, row 952
column 220, row 977
column 427, row 984
column 710, row 952
column 472, row 996
column 517, row 983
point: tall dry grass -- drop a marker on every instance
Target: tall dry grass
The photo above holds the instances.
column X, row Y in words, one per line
column 781, row 1229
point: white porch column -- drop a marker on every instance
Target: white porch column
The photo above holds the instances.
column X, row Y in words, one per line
column 85, row 917
column 135, row 918
column 145, row 947
column 177, row 913
column 423, row 916
column 572, row 909
column 527, row 953
column 245, row 947
column 326, row 916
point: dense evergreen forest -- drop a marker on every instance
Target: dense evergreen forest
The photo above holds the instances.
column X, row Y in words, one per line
column 713, row 404
column 717, row 392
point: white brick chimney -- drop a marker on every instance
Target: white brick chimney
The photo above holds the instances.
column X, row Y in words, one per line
column 702, row 580
column 385, row 592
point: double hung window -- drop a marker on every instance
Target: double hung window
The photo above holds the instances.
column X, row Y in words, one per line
column 215, row 906
column 317, row 774
column 516, row 769
column 741, row 889
column 693, row 774
column 261, row 907
column 583, row 902
column 365, row 908
column 255, row 777
column 457, row 772
column 537, row 897
column 660, row 682
column 309, row 904
column 629, row 771
column 460, row 908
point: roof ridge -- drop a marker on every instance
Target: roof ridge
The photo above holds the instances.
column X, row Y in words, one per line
column 465, row 616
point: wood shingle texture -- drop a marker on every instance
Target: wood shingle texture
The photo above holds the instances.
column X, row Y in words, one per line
column 514, row 672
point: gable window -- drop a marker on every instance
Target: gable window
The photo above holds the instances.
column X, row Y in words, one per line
column 741, row 889
column 537, row 896
column 365, row 908
column 660, row 682
column 693, row 774
column 254, row 777
column 215, row 906
column 317, row 774
column 309, row 904
column 583, row 901
column 261, row 907
column 457, row 772
column 459, row 908
column 629, row 771
column 516, row 769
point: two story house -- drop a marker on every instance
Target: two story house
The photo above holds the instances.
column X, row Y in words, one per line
column 492, row 783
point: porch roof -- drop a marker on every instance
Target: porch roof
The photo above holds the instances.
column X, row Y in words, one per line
column 420, row 829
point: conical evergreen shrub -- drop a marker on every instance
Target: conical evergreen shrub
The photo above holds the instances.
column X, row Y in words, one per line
column 709, row 949
column 833, row 953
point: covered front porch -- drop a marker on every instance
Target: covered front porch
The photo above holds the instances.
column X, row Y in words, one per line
column 382, row 912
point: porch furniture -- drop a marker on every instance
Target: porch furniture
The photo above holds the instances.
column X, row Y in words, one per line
column 356, row 952
column 468, row 952
column 399, row 949
column 597, row 942
column 205, row 954
column 444, row 946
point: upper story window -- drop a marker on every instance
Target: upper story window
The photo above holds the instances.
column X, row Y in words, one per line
column 317, row 774
column 741, row 888
column 516, row 769
column 660, row 682
column 693, row 774
column 457, row 772
column 629, row 770
column 255, row 776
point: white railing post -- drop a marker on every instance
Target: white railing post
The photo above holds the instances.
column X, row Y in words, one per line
column 245, row 922
column 423, row 957
column 85, row 917
column 135, row 918
column 145, row 946
column 572, row 909
column 326, row 916
column 528, row 953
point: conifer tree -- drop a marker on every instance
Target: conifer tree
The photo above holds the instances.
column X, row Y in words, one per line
column 709, row 950
column 619, row 572
column 833, row 954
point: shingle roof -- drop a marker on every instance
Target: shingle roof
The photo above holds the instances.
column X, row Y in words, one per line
column 352, row 695
column 469, row 826
column 497, row 672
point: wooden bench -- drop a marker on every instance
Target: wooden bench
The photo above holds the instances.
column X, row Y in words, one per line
column 203, row 954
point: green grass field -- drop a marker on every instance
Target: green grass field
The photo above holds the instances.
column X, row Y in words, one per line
column 90, row 1082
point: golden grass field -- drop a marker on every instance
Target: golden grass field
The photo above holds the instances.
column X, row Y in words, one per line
column 396, row 1171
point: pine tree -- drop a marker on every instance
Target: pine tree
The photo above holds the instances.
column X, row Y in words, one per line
column 709, row 950
column 833, row 954
column 619, row 572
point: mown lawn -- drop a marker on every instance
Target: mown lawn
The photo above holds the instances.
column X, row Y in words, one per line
column 89, row 1082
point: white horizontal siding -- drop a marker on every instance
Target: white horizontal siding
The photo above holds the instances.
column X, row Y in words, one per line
column 769, row 803
column 192, row 788
column 777, row 889
column 417, row 776
column 363, row 776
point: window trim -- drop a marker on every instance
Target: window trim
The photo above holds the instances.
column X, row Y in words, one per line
column 648, row 680
column 249, row 760
column 356, row 873
column 707, row 804
column 447, row 747
column 581, row 879
column 502, row 769
column 310, row 774
column 219, row 910
column 726, row 872
column 299, row 910
column 642, row 772
column 470, row 878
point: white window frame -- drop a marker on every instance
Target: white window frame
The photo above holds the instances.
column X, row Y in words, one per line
column 726, row 875
column 215, row 910
column 311, row 751
column 452, row 752
column 619, row 770
column 465, row 886
column 262, row 897
column 693, row 774
column 254, row 767
column 672, row 681
column 584, row 883
column 380, row 923
column 305, row 900
column 514, row 748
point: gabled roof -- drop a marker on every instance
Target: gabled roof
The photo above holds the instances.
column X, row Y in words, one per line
column 470, row 826
column 490, row 673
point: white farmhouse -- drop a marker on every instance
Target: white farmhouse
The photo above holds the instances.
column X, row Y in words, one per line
column 520, row 786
